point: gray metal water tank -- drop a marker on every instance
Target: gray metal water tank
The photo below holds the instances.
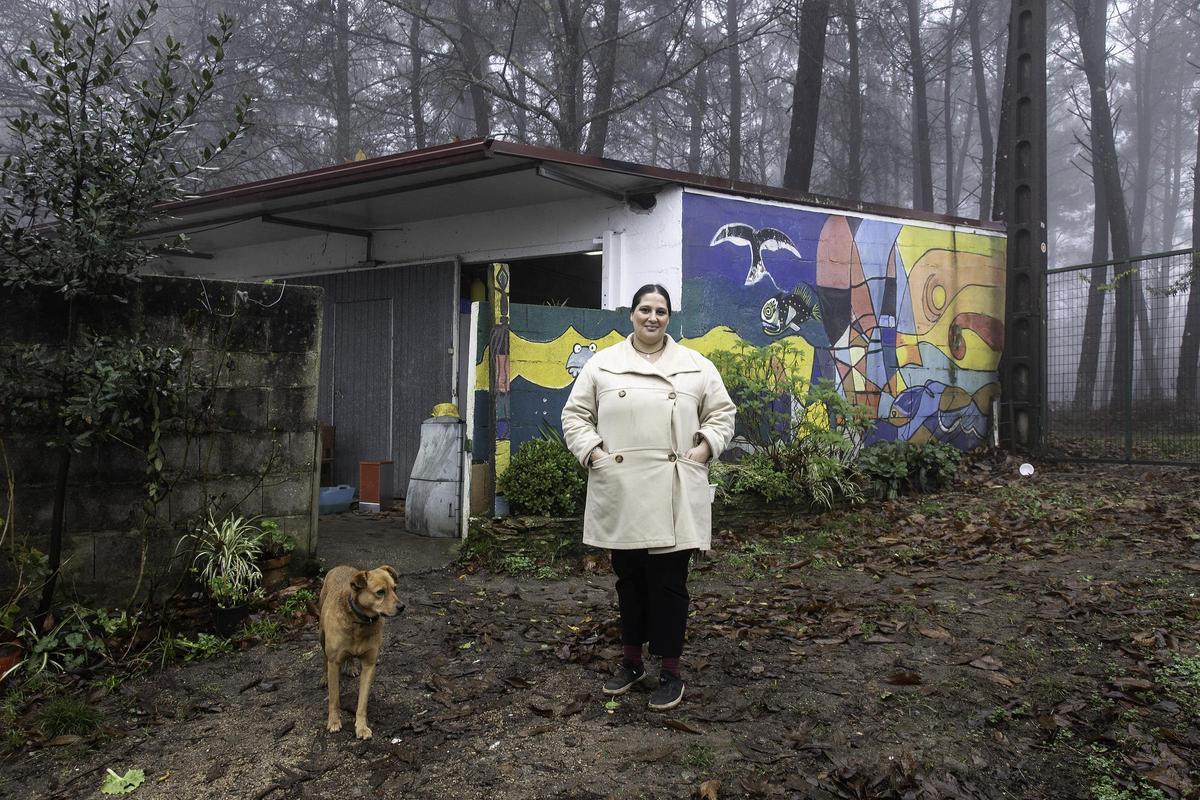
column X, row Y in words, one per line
column 435, row 484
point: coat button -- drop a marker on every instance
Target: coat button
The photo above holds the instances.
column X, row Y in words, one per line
column 621, row 393
column 671, row 395
column 671, row 457
column 618, row 458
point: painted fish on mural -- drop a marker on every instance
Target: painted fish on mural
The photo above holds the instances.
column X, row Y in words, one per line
column 785, row 313
column 757, row 239
column 580, row 355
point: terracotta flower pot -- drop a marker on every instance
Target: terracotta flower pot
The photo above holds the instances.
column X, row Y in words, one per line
column 275, row 571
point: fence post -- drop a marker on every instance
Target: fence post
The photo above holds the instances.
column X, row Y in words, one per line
column 1130, row 328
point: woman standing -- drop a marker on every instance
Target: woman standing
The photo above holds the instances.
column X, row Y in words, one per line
column 645, row 417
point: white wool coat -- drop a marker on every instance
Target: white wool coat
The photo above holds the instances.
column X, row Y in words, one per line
column 645, row 493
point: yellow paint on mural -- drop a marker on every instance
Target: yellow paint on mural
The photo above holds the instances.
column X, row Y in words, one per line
column 977, row 353
column 723, row 338
column 503, row 454
column 545, row 363
column 915, row 241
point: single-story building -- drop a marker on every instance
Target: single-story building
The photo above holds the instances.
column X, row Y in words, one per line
column 485, row 273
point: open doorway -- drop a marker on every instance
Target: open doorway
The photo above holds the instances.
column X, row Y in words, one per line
column 570, row 279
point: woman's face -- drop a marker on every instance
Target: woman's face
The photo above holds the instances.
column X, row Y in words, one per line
column 649, row 318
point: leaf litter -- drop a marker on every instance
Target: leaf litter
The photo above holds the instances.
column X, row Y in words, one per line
column 1009, row 638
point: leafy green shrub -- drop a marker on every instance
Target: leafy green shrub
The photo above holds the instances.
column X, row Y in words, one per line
column 544, row 478
column 274, row 542
column 895, row 467
column 804, row 435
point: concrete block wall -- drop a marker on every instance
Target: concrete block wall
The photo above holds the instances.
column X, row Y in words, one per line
column 248, row 445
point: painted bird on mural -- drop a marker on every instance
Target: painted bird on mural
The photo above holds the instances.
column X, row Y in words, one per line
column 785, row 313
column 758, row 240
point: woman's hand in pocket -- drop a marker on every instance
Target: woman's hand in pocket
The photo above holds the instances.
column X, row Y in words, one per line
column 701, row 452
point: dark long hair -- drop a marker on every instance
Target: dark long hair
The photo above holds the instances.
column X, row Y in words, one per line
column 651, row 288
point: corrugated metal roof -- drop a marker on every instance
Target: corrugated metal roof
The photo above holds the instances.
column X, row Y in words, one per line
column 469, row 160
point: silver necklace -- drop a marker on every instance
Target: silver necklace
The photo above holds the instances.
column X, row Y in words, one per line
column 646, row 355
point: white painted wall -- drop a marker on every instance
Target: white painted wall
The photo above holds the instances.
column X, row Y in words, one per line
column 639, row 247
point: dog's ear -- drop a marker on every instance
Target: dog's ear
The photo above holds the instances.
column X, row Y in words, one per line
column 390, row 571
column 359, row 581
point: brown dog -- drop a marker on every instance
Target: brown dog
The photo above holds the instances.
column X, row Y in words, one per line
column 352, row 607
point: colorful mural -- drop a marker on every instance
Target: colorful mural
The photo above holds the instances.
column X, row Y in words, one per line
column 904, row 318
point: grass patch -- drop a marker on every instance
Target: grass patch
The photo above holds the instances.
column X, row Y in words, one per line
column 67, row 716
column 699, row 757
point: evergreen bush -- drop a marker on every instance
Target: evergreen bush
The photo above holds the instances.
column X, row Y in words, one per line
column 544, row 478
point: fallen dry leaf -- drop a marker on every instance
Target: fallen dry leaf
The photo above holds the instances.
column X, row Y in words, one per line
column 934, row 632
column 680, row 725
column 986, row 662
column 708, row 790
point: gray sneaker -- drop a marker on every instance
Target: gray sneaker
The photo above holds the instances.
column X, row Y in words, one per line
column 624, row 680
column 669, row 692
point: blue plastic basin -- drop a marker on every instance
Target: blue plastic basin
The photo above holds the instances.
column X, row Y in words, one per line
column 335, row 499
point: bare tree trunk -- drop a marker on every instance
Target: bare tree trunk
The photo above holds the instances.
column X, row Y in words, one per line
column 988, row 155
column 697, row 99
column 1089, row 351
column 923, row 168
column 570, row 75
column 806, row 95
column 1189, row 348
column 480, row 107
column 605, row 78
column 948, row 109
column 964, row 147
column 415, row 98
column 342, row 110
column 1146, row 84
column 734, row 64
column 1174, row 168
column 1091, row 17
column 522, row 116
column 854, row 136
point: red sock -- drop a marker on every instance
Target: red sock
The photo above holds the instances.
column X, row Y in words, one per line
column 671, row 665
column 632, row 653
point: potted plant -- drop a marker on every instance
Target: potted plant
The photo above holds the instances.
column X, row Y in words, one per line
column 277, row 548
column 227, row 556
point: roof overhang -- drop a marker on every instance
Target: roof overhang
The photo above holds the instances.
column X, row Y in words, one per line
column 479, row 175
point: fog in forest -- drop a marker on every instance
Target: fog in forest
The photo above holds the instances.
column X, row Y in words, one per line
column 895, row 102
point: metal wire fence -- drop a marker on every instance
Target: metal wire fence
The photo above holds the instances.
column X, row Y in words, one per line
column 1113, row 336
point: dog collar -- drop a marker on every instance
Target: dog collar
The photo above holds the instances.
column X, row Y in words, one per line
column 360, row 615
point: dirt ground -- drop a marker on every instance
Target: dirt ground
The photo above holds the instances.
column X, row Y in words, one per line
column 1014, row 638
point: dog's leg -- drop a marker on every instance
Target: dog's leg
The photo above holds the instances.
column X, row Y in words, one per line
column 334, row 722
column 364, row 689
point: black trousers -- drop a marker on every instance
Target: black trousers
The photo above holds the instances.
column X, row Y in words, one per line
column 653, row 598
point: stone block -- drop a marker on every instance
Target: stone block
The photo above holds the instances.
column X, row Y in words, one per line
column 240, row 409
column 246, row 370
column 111, row 462
column 292, row 409
column 293, row 369
column 30, row 461
column 301, row 450
column 297, row 323
column 287, row 494
column 103, row 506
column 251, row 453
column 218, row 496
column 300, row 528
